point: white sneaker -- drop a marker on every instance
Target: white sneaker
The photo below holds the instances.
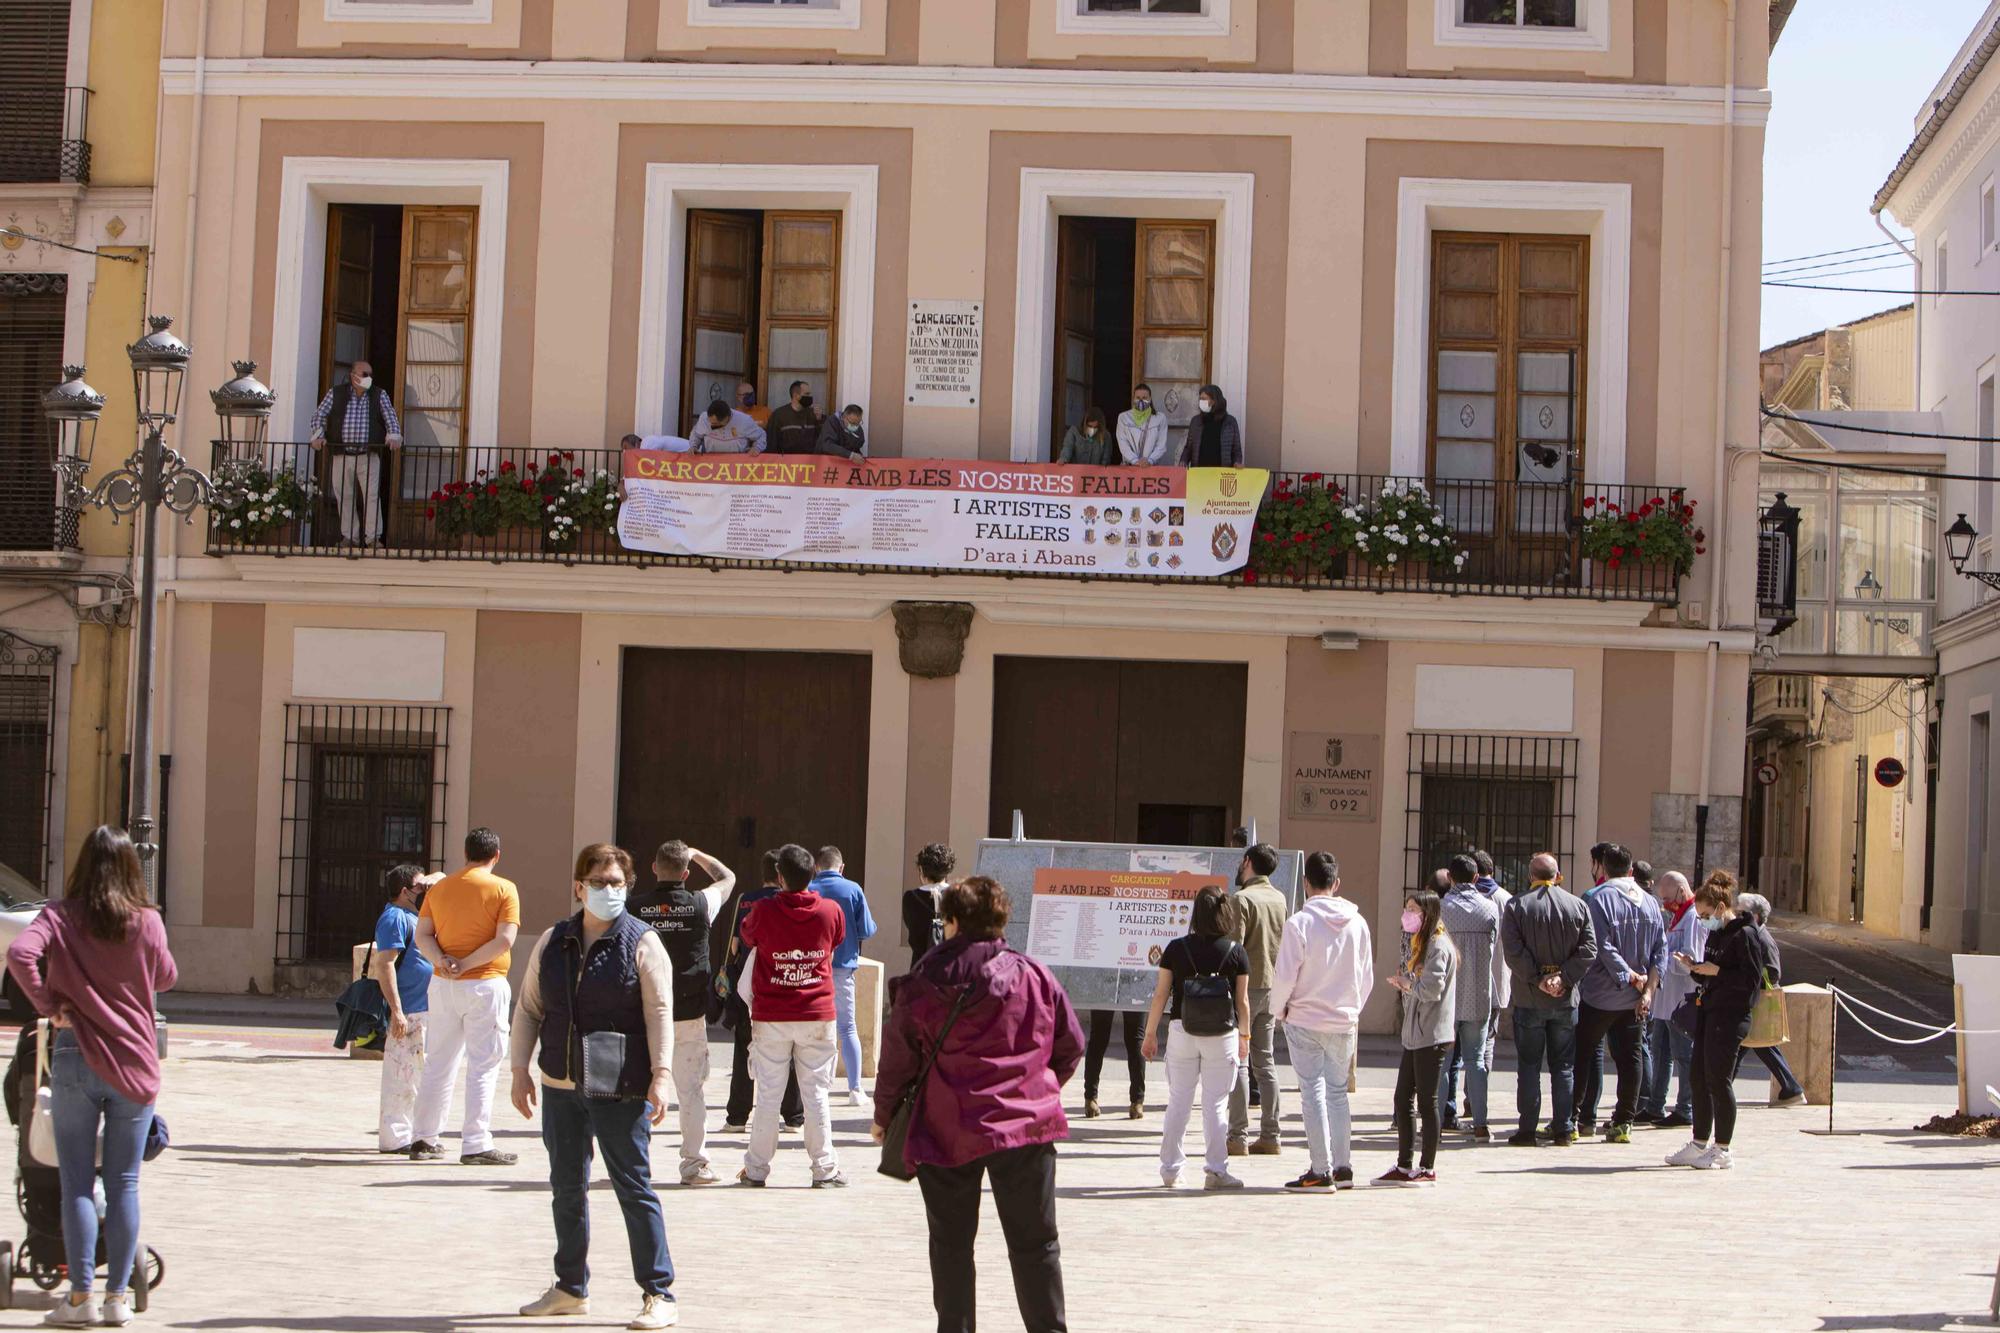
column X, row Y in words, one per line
column 700, row 1175
column 657, row 1312
column 556, row 1301
column 66, row 1315
column 1170, row 1181
column 1715, row 1159
column 1220, row 1180
column 853, row 1097
column 117, row 1309
column 1690, row 1155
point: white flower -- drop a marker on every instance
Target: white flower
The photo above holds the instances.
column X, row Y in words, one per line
column 1349, row 514
column 1458, row 561
column 1392, row 557
column 235, row 522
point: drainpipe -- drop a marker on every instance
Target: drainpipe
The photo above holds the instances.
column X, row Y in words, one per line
column 1718, row 513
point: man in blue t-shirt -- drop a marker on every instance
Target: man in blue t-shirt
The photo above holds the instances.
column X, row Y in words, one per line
column 404, row 974
column 830, row 881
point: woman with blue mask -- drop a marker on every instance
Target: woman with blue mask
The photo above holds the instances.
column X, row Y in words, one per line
column 598, row 998
column 1739, row 960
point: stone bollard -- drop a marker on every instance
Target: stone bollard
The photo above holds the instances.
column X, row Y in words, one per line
column 1809, row 1013
column 870, row 990
column 354, row 1052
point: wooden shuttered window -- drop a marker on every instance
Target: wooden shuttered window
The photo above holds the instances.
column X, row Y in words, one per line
column 1172, row 326
column 434, row 341
column 1507, row 373
column 34, row 66
column 762, row 304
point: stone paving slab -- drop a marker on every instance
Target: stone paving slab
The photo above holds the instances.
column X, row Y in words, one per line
column 274, row 1212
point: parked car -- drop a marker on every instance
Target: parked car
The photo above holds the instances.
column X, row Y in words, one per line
column 20, row 901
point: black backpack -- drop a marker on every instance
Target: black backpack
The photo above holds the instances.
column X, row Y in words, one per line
column 1208, row 1003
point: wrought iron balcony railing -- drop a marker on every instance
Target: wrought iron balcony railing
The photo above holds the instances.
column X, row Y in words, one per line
column 1316, row 530
column 44, row 135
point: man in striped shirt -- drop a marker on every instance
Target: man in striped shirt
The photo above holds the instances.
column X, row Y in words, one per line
column 356, row 420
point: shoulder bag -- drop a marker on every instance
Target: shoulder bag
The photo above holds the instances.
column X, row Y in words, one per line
column 896, row 1134
column 42, row 1125
column 1769, row 1023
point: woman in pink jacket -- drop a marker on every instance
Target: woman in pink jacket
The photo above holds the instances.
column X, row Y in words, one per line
column 993, row 1104
column 91, row 964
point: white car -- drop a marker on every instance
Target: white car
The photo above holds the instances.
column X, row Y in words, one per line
column 20, row 902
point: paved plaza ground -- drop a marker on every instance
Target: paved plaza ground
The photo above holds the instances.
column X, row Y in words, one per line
column 274, row 1212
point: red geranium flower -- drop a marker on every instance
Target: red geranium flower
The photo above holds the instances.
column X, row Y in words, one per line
column 492, row 490
column 1589, row 502
column 430, row 513
column 1249, row 576
column 507, row 466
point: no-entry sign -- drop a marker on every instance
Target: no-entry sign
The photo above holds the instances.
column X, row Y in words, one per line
column 1889, row 772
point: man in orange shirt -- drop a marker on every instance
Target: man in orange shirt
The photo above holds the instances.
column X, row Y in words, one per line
column 467, row 930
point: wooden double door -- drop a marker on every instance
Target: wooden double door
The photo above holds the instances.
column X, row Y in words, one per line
column 762, row 304
column 739, row 752
column 1091, row 750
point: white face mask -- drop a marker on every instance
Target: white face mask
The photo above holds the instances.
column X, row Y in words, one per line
column 367, row 383
column 1206, row 405
column 606, row 904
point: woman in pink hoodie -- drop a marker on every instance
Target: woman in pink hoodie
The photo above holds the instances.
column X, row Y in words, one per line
column 91, row 964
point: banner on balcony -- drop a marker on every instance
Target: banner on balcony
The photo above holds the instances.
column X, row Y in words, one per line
column 1162, row 522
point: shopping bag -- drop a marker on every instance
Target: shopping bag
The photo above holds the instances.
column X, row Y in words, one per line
column 1769, row 1023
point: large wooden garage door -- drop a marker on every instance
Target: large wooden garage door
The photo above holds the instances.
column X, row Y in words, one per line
column 737, row 752
column 1108, row 751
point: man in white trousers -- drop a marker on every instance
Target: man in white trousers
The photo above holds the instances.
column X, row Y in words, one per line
column 467, row 929
column 681, row 917
column 1325, row 970
column 357, row 421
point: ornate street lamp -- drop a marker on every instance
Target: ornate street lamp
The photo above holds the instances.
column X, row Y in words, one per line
column 1958, row 542
column 243, row 408
column 1778, row 566
column 152, row 478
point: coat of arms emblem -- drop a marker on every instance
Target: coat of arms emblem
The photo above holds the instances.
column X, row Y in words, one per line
column 1333, row 748
column 1228, row 482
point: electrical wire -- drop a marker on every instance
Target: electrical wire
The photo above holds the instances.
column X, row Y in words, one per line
column 1773, row 414
column 1853, row 249
column 49, row 240
column 1841, row 273
column 1834, row 267
column 1880, row 291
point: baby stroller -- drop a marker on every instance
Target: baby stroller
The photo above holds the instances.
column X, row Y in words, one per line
column 41, row 1257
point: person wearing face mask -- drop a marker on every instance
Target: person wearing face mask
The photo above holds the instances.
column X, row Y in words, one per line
column 1214, row 439
column 1089, row 444
column 404, row 975
column 1427, row 975
column 725, row 430
column 842, row 436
column 1738, row 959
column 1672, row 1044
column 1142, row 432
column 794, row 427
column 598, row 998
column 746, row 401
column 357, row 421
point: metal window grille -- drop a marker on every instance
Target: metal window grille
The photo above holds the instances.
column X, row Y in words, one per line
column 1511, row 796
column 364, row 791
column 27, row 757
column 31, row 339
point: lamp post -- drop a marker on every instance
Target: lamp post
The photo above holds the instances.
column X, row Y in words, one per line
column 1958, row 540
column 151, row 478
column 1778, row 566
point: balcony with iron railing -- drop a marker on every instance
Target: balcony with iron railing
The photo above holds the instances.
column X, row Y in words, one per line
column 1514, row 539
column 44, row 135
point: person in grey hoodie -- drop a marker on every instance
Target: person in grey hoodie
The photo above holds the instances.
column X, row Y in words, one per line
column 1428, row 979
column 1474, row 924
column 1547, row 938
column 1325, row 971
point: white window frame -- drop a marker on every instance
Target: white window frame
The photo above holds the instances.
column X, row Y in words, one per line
column 1989, row 219
column 1070, row 19
column 1940, row 268
column 672, row 188
column 1048, row 195
column 308, row 185
column 1591, row 33
column 1983, row 506
column 1599, row 209
column 841, row 14
column 402, row 11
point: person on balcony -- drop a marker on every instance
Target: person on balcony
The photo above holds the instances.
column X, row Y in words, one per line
column 724, row 430
column 842, row 436
column 746, row 400
column 1089, row 444
column 1214, row 439
column 357, row 422
column 794, row 428
column 1142, row 432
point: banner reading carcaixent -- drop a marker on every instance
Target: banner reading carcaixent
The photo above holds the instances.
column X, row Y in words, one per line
column 938, row 514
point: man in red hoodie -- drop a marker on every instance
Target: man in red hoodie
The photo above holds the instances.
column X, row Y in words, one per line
column 793, row 935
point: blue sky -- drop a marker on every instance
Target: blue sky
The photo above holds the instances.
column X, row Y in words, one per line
column 1846, row 82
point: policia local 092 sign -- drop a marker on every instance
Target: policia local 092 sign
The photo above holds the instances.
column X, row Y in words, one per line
column 1161, row 522
column 1333, row 775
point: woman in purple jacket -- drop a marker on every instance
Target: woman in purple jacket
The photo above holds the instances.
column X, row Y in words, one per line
column 91, row 964
column 992, row 1105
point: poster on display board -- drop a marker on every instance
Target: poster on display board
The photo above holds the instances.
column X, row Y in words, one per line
column 1159, row 522
column 1097, row 914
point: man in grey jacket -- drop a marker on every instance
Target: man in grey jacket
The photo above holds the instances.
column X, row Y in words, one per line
column 1548, row 941
column 1474, row 924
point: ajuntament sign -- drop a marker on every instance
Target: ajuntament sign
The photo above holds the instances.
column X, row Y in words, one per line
column 1333, row 775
